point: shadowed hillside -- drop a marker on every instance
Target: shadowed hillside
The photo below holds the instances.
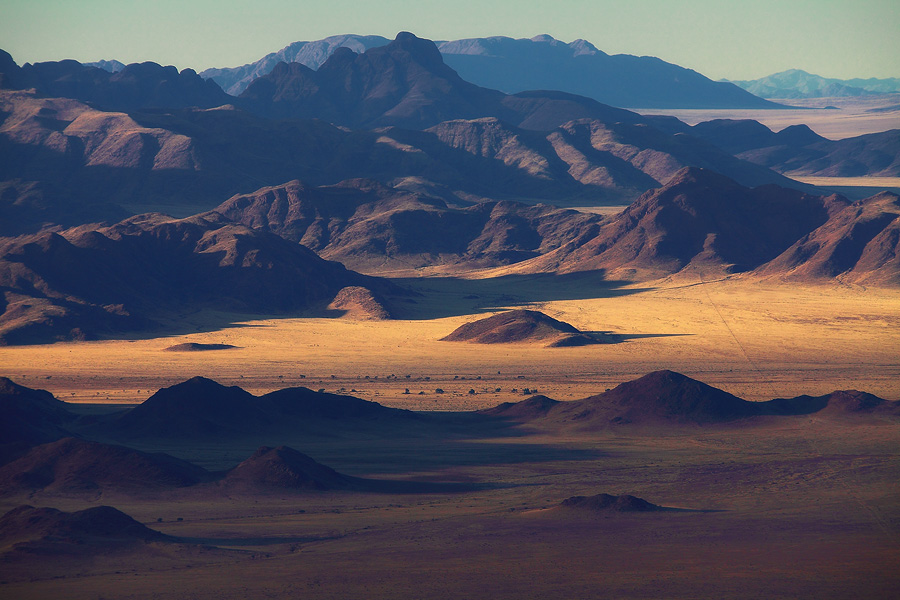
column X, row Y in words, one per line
column 101, row 529
column 363, row 223
column 667, row 398
column 73, row 466
column 284, row 468
column 29, row 417
column 200, row 408
column 92, row 281
column 799, row 151
column 700, row 220
column 859, row 244
column 136, row 86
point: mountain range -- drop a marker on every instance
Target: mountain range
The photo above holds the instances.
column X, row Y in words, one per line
column 518, row 65
column 69, row 163
column 795, row 83
column 135, row 86
column 363, row 223
column 544, row 63
column 701, row 222
column 798, row 150
column 407, row 84
column 234, row 80
column 386, row 157
column 669, row 398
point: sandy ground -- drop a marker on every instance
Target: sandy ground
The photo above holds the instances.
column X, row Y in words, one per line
column 850, row 117
column 854, row 188
column 799, row 509
column 759, row 340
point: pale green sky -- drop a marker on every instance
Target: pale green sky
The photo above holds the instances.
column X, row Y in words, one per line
column 719, row 38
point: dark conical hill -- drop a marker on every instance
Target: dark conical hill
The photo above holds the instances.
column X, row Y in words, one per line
column 300, row 403
column 196, row 407
column 658, row 397
column 608, row 503
column 202, row 408
column 29, row 417
column 72, row 465
column 284, row 468
column 90, row 530
column 524, row 410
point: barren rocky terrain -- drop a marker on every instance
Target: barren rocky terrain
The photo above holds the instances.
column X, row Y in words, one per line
column 338, row 336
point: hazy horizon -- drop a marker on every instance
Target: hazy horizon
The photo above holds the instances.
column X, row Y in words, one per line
column 718, row 39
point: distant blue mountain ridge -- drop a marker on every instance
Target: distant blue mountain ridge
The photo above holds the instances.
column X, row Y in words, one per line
column 794, row 84
column 540, row 63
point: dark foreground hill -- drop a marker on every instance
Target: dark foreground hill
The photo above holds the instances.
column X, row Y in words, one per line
column 29, row 417
column 91, row 281
column 658, row 397
column 202, row 408
column 608, row 503
column 74, row 466
column 524, row 410
column 671, row 399
column 521, row 326
column 284, row 468
column 97, row 530
column 841, row 404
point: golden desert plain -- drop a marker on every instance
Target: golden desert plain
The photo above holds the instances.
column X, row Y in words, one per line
column 469, row 504
column 800, row 506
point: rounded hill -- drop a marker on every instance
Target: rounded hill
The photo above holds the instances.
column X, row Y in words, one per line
column 521, row 326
